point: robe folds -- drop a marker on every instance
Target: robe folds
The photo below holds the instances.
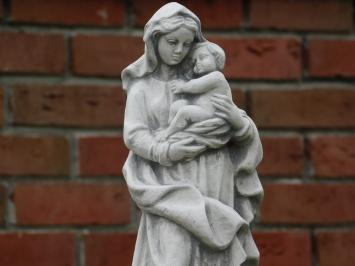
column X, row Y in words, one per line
column 195, row 212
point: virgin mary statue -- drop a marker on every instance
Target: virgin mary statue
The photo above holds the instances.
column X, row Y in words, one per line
column 198, row 190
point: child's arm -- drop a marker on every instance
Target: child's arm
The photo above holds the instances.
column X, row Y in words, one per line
column 205, row 83
column 199, row 85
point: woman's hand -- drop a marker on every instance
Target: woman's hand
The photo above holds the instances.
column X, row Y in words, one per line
column 227, row 110
column 184, row 150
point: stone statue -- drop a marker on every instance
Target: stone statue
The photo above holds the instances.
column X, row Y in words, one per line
column 193, row 153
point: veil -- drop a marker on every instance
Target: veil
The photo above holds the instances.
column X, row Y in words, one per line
column 148, row 62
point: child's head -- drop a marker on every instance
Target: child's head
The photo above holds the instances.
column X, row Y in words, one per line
column 207, row 57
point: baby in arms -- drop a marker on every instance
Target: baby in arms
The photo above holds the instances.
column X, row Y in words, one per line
column 209, row 61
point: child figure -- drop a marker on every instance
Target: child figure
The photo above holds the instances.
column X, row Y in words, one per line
column 209, row 60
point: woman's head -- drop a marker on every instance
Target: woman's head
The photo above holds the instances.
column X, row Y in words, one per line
column 173, row 37
column 169, row 19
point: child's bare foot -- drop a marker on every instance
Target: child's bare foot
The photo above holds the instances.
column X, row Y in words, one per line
column 161, row 135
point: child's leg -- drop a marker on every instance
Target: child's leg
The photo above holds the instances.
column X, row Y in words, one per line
column 186, row 115
column 175, row 107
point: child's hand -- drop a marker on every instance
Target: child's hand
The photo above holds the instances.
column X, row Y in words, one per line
column 177, row 86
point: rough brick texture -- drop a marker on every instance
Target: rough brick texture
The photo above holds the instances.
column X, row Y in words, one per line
column 1, row 107
column 109, row 249
column 55, row 204
column 310, row 108
column 333, row 156
column 290, row 65
column 37, row 249
column 284, row 248
column 331, row 58
column 283, row 156
column 216, row 14
column 75, row 106
column 239, row 98
column 69, row 12
column 105, row 55
column 1, row 9
column 308, row 204
column 302, row 15
column 3, row 201
column 25, row 155
column 102, row 155
column 32, row 53
column 251, row 58
column 335, row 248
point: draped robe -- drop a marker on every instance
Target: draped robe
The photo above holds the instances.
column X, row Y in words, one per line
column 195, row 212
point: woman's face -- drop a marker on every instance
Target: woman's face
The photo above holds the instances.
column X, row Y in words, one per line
column 174, row 46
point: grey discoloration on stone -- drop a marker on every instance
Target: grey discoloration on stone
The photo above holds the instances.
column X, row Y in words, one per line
column 192, row 165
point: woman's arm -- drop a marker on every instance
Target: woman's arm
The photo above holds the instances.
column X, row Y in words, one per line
column 138, row 136
column 238, row 119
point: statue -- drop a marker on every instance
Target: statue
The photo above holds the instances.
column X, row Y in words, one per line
column 193, row 153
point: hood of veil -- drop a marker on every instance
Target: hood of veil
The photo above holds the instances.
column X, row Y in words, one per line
column 148, row 62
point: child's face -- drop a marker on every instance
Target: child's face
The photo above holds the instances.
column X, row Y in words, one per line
column 204, row 61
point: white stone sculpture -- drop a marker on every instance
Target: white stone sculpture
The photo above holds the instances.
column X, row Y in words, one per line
column 193, row 153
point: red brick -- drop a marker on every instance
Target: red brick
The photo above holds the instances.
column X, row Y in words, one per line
column 1, row 107
column 25, row 155
column 215, row 14
column 109, row 249
column 308, row 204
column 261, row 58
column 3, row 201
column 69, row 12
column 32, row 53
column 77, row 204
column 1, row 9
column 292, row 248
column 282, row 156
column 331, row 58
column 84, row 106
column 239, row 98
column 37, row 249
column 335, row 248
column 102, row 155
column 310, row 108
column 105, row 55
column 333, row 156
column 331, row 15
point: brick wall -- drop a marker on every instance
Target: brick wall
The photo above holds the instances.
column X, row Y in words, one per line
column 63, row 201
